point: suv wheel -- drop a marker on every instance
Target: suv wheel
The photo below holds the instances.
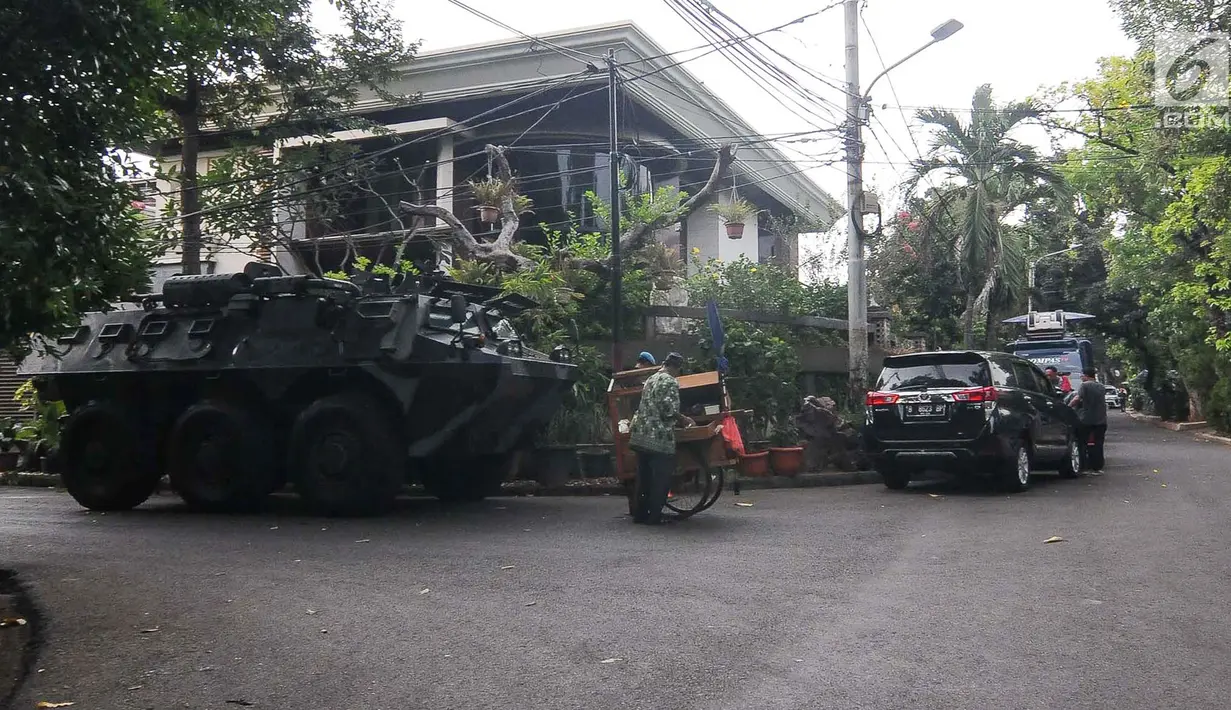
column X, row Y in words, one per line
column 1070, row 467
column 1016, row 473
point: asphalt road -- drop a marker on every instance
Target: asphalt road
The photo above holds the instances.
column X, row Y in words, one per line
column 941, row 596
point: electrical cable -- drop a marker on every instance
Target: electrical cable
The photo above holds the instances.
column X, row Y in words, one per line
column 741, row 63
column 565, row 51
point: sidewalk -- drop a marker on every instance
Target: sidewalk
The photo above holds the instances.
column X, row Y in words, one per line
column 1197, row 429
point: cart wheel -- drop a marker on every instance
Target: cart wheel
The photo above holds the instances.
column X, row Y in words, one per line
column 720, row 478
column 691, row 492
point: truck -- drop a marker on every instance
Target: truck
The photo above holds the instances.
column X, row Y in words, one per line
column 1048, row 343
column 234, row 385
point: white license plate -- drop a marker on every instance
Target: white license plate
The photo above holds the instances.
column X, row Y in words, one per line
column 925, row 410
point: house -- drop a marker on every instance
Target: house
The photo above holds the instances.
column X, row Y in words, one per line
column 544, row 99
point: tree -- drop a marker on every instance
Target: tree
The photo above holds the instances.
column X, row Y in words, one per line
column 1167, row 295
column 642, row 216
column 990, row 175
column 913, row 274
column 76, row 80
column 254, row 71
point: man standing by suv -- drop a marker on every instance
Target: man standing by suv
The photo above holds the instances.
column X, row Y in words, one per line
column 1091, row 405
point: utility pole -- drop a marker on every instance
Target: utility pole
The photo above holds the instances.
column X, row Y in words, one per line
column 617, row 268
column 856, row 280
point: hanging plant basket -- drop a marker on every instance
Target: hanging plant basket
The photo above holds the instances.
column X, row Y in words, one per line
column 735, row 230
column 489, row 214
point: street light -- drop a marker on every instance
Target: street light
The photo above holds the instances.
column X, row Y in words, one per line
column 943, row 31
column 1030, row 274
column 857, row 103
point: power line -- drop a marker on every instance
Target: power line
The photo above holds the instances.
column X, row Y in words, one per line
column 439, row 133
column 739, row 58
column 585, row 58
column 826, row 80
column 351, row 162
column 732, row 42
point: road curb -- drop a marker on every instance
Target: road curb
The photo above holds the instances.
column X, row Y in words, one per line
column 581, row 487
column 1193, row 428
column 1225, row 441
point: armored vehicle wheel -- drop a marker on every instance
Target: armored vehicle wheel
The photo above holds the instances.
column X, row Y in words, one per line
column 221, row 457
column 343, row 456
column 107, row 465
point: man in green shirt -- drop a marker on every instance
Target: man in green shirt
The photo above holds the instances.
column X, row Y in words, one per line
column 652, row 437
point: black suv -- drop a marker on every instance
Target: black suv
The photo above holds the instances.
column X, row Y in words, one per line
column 968, row 412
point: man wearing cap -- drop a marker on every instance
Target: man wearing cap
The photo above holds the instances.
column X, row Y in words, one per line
column 645, row 360
column 652, row 437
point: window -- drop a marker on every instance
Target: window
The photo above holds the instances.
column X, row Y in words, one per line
column 1025, row 377
column 1002, row 374
column 921, row 374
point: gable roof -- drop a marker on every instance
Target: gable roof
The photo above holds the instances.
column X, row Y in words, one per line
column 506, row 66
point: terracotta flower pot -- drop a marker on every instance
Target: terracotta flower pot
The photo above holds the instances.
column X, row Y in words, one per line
column 489, row 214
column 735, row 230
column 786, row 460
column 755, row 464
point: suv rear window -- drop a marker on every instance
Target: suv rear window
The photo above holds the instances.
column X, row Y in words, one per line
column 932, row 373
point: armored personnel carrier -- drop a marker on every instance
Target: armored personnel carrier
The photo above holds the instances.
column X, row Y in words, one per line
column 233, row 385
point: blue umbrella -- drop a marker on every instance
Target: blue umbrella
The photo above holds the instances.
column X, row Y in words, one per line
column 715, row 323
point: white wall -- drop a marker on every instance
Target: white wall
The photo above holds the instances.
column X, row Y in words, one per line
column 707, row 232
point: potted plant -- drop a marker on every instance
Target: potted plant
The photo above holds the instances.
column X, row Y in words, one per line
column 754, row 464
column 786, row 456
column 596, row 455
column 554, row 459
column 10, row 451
column 489, row 193
column 41, row 434
column 735, row 213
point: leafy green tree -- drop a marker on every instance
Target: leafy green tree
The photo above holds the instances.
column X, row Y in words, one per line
column 1167, row 291
column 912, row 272
column 249, row 72
column 75, row 80
column 989, row 175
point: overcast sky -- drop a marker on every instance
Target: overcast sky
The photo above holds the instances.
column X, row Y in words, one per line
column 1015, row 45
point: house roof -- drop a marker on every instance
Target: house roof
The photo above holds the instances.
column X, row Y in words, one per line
column 511, row 65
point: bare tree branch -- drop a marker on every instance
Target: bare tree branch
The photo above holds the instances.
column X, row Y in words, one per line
column 500, row 251
column 637, row 233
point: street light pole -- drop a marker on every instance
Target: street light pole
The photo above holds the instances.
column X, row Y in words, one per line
column 856, row 113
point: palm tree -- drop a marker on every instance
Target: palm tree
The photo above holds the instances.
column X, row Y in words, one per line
column 988, row 174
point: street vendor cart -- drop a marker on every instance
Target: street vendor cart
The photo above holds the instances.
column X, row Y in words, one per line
column 703, row 452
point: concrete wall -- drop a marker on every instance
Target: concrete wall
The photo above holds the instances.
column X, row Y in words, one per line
column 707, row 232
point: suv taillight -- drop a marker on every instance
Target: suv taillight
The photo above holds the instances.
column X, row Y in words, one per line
column 978, row 394
column 880, row 398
